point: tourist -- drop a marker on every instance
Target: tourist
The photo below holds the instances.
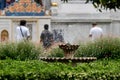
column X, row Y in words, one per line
column 95, row 32
column 22, row 31
column 46, row 37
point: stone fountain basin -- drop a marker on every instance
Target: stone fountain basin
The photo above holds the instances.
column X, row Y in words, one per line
column 68, row 56
column 69, row 47
column 64, row 59
column 69, row 50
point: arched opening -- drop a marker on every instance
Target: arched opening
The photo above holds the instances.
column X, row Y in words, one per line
column 4, row 35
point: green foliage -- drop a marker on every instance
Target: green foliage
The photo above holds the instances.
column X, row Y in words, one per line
column 102, row 48
column 56, row 52
column 19, row 51
column 106, row 4
column 38, row 70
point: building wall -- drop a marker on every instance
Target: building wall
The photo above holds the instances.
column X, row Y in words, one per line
column 71, row 20
column 75, row 32
column 4, row 25
column 36, row 25
column 75, row 19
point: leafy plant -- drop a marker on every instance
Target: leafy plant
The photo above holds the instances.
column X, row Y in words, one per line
column 105, row 4
column 19, row 51
column 108, row 47
column 39, row 70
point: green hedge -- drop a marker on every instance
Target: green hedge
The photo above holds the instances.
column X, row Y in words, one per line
column 38, row 70
column 19, row 51
column 107, row 47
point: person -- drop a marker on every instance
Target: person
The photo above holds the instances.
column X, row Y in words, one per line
column 46, row 37
column 95, row 32
column 23, row 32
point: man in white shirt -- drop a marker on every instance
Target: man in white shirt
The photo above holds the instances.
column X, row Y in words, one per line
column 22, row 32
column 95, row 32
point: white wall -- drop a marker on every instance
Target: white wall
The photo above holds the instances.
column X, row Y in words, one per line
column 10, row 23
column 76, row 32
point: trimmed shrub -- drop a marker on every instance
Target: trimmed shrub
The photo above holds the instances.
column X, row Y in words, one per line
column 19, row 51
column 8, row 50
column 108, row 47
column 38, row 70
column 28, row 51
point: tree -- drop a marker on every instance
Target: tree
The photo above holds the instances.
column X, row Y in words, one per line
column 104, row 4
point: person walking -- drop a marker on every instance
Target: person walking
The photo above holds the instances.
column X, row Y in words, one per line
column 95, row 32
column 46, row 37
column 23, row 32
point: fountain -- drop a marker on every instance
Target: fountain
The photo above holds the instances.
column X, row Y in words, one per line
column 69, row 51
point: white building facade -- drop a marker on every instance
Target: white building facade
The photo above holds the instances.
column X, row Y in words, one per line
column 72, row 20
